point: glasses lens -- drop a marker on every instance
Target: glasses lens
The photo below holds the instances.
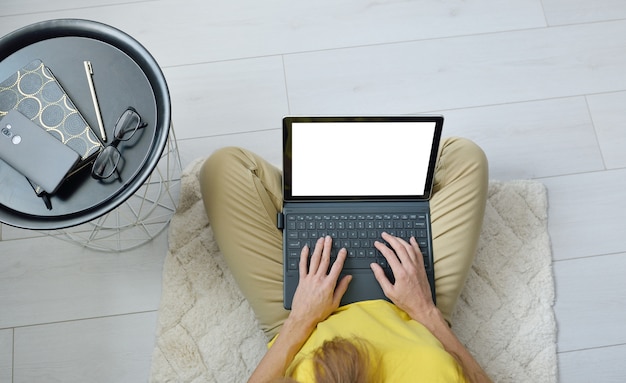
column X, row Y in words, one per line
column 105, row 164
column 127, row 125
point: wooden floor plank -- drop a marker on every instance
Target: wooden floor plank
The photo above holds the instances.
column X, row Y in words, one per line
column 605, row 364
column 459, row 72
column 586, row 214
column 591, row 302
column 113, row 349
column 560, row 12
column 6, row 356
column 609, row 118
column 45, row 280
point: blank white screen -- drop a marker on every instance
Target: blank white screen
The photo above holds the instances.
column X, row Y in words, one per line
column 360, row 158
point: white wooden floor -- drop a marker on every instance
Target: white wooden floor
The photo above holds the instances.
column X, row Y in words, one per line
column 539, row 84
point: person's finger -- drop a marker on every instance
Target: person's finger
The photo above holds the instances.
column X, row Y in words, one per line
column 407, row 246
column 337, row 266
column 389, row 254
column 418, row 251
column 304, row 259
column 400, row 246
column 327, row 244
column 341, row 289
column 382, row 279
column 316, row 257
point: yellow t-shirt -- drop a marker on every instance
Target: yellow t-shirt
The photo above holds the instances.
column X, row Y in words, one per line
column 406, row 350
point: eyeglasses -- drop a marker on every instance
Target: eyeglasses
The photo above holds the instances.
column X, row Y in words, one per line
column 109, row 158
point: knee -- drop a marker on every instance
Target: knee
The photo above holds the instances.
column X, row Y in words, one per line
column 465, row 152
column 220, row 161
column 218, row 165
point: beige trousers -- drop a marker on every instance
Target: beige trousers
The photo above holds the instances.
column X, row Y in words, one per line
column 242, row 194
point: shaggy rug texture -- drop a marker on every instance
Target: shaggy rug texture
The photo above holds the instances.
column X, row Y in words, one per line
column 207, row 332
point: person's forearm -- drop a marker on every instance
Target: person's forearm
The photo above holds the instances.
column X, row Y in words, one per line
column 274, row 364
column 437, row 325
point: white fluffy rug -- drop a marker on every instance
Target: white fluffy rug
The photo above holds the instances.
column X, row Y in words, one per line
column 207, row 332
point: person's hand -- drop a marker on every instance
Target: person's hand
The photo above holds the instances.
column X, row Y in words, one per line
column 411, row 290
column 318, row 293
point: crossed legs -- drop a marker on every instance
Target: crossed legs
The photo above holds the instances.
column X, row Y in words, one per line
column 242, row 194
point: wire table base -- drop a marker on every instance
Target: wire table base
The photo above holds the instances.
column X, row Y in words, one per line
column 141, row 217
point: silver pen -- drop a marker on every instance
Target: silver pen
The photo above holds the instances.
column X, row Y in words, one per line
column 94, row 98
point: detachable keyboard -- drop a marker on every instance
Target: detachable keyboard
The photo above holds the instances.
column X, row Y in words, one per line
column 355, row 232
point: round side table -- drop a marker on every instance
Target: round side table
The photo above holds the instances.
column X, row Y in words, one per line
column 112, row 214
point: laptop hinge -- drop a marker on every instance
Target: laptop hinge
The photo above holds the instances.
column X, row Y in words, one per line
column 280, row 220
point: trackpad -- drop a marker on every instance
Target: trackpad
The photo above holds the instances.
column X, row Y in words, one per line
column 363, row 287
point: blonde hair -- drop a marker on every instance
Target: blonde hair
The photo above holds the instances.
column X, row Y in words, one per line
column 343, row 361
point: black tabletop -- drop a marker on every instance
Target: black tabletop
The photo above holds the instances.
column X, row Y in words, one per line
column 124, row 74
